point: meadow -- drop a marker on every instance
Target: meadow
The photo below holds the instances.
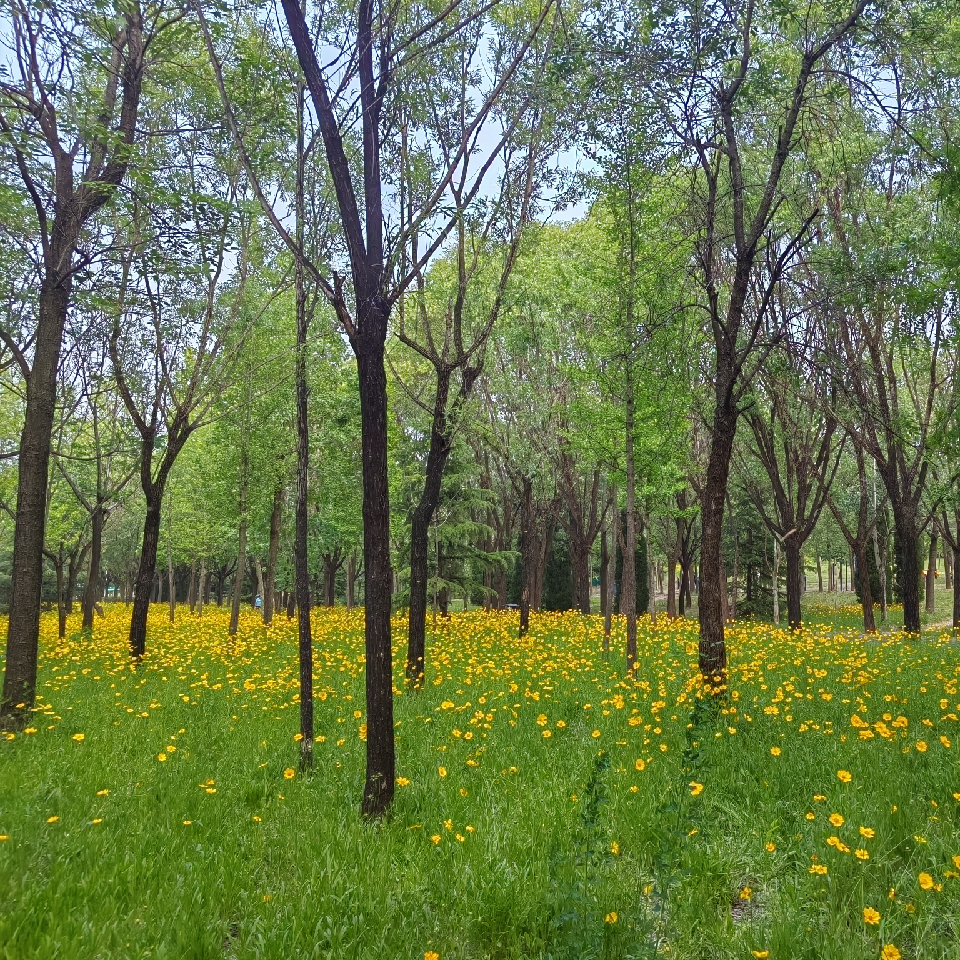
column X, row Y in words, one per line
column 547, row 806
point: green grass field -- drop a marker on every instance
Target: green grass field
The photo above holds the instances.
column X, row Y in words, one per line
column 547, row 807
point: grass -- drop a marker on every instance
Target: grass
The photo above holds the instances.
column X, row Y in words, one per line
column 547, row 807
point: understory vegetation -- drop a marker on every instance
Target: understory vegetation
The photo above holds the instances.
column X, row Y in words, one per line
column 545, row 807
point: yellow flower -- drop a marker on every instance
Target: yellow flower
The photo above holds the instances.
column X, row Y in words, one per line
column 289, row 773
column 79, row 737
column 3, row 837
column 547, row 734
column 871, row 916
column 776, row 751
column 161, row 757
column 844, row 776
column 640, row 764
column 922, row 746
column 695, row 788
column 746, row 893
column 596, row 733
column 836, row 819
column 187, row 823
column 770, row 847
column 403, row 782
column 611, row 917
column 98, row 820
column 615, row 848
column 861, row 854
column 442, row 771
column 431, row 955
column 868, row 832
column 435, row 838
column 819, row 868
column 102, row 793
column 889, row 952
column 926, row 881
column 52, row 819
column 761, row 954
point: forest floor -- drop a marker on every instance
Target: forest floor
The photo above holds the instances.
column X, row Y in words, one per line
column 547, row 807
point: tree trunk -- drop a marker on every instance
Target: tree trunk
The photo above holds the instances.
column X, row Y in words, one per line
column 791, row 549
column 628, row 578
column 420, row 533
column 604, row 573
column 258, row 572
column 866, row 595
column 819, row 574
column 330, row 567
column 192, row 589
column 240, row 575
column 270, row 585
column 672, row 560
column 61, row 600
column 381, row 756
column 776, row 580
column 580, row 560
column 351, row 580
column 526, row 553
column 33, row 462
column 712, row 647
column 172, row 583
column 909, row 535
column 956, row 592
column 145, row 572
column 202, row 586
column 947, row 568
column 931, row 572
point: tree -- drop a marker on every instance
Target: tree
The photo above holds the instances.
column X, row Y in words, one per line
column 67, row 181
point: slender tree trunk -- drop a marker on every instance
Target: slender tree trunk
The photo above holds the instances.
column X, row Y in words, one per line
column 776, row 581
column 526, row 553
column 947, row 568
column 420, row 533
column 33, row 462
column 819, row 574
column 192, row 589
column 258, row 572
column 171, row 579
column 202, row 586
column 628, row 585
column 611, row 533
column 604, row 571
column 866, row 595
column 61, row 603
column 270, row 586
column 351, row 580
column 672, row 586
column 956, row 592
column 931, row 572
column 330, row 567
column 145, row 572
column 241, row 557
